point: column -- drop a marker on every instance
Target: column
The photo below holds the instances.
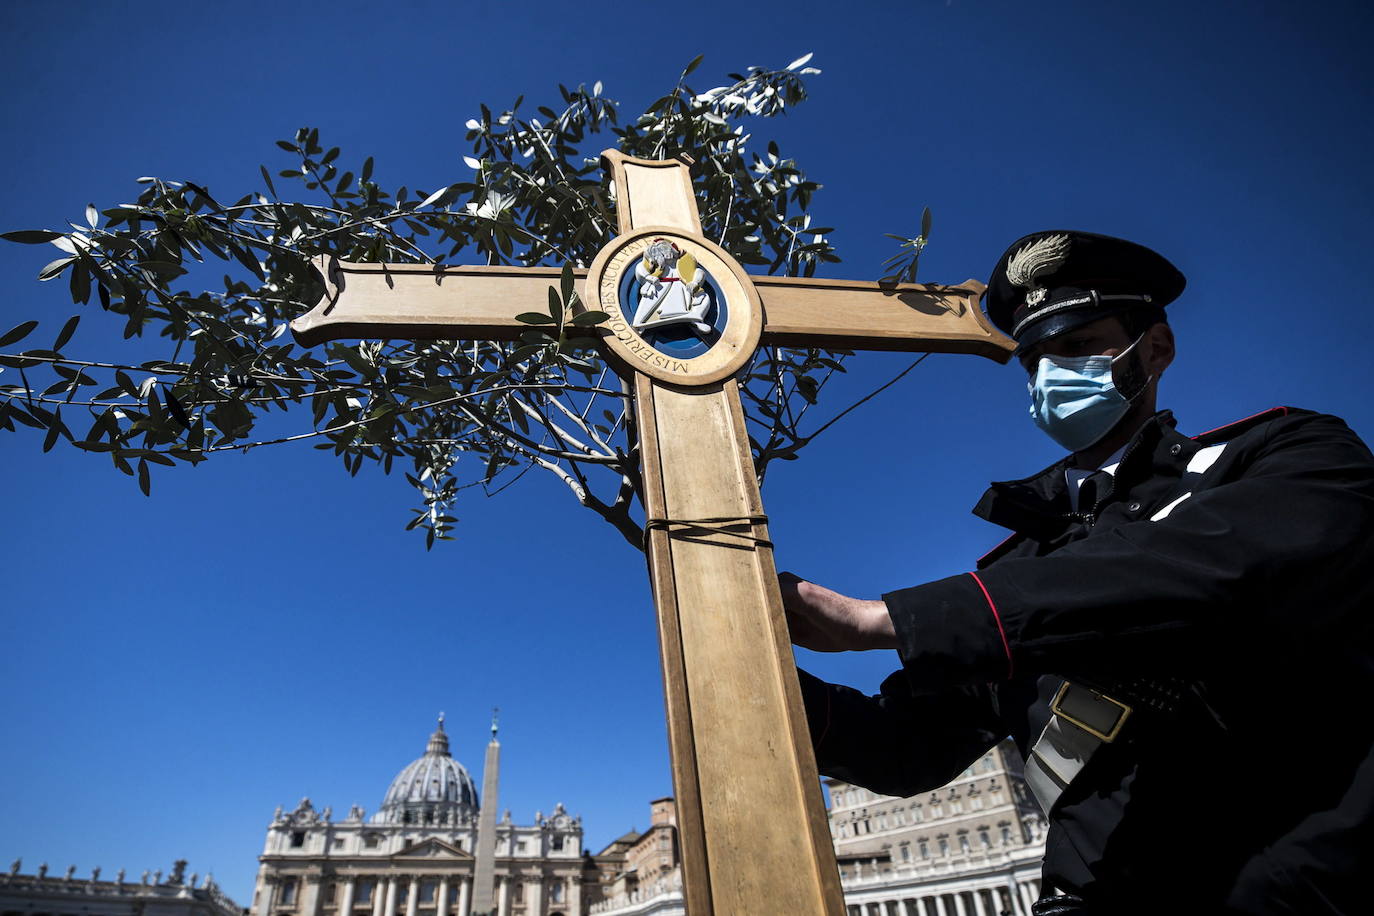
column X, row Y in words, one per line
column 308, row 895
column 534, row 898
column 503, row 897
column 940, row 905
column 389, row 907
column 574, row 897
column 413, row 898
column 346, row 904
column 441, row 901
column 901, row 908
column 465, row 895
column 960, row 908
column 1027, row 898
column 979, row 908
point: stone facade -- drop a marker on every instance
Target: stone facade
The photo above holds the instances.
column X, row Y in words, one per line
column 42, row 894
column 640, row 870
column 970, row 848
column 416, row 856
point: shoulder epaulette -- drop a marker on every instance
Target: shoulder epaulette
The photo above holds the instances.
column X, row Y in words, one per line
column 1231, row 430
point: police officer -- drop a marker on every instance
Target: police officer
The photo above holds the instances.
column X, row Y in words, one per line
column 1177, row 633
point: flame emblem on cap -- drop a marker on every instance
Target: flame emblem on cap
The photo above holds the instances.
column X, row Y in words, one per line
column 1035, row 260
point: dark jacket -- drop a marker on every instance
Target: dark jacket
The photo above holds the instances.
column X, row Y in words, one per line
column 1250, row 580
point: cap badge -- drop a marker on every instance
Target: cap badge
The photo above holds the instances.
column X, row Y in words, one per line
column 1035, row 260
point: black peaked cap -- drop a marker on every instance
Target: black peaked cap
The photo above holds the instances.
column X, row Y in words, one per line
column 1081, row 277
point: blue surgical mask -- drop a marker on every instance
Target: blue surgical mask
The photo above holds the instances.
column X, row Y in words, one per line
column 1074, row 399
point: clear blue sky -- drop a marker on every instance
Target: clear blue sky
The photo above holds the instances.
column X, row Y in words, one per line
column 262, row 629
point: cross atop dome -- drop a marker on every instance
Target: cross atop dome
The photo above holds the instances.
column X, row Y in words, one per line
column 438, row 742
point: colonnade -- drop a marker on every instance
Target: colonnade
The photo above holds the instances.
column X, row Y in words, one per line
column 989, row 900
column 399, row 895
column 388, row 889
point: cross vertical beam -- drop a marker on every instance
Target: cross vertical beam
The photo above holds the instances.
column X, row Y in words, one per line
column 751, row 821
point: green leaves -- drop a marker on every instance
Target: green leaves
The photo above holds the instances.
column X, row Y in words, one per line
column 902, row 266
column 455, row 415
column 66, row 333
column 17, row 333
column 31, row 236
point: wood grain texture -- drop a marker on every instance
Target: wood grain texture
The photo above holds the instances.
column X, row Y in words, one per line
column 652, row 192
column 862, row 315
column 425, row 302
column 696, row 874
column 766, row 841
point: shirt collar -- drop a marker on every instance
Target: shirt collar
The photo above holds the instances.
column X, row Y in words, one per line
column 1039, row 505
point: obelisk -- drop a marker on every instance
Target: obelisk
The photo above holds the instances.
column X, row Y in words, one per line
column 484, row 877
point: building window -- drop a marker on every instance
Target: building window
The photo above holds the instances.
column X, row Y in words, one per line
column 997, row 797
column 916, row 816
column 519, row 895
column 362, row 892
column 1006, row 835
column 556, row 892
column 906, row 853
column 558, row 843
column 338, row 842
column 935, row 811
column 371, row 840
column 956, row 807
column 983, row 835
column 427, row 889
column 963, row 844
column 976, row 803
column 330, row 890
column 520, row 846
column 298, row 839
column 288, row 892
column 925, row 849
column 987, row 763
column 944, row 846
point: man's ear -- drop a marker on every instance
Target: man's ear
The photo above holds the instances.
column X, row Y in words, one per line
column 1160, row 352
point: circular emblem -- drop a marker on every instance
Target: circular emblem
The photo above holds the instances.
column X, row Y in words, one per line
column 681, row 309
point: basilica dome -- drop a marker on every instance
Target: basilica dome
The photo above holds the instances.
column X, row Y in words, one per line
column 434, row 789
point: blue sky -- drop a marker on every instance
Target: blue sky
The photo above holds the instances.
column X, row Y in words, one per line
column 261, row 628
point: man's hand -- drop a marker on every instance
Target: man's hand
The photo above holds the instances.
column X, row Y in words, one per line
column 827, row 621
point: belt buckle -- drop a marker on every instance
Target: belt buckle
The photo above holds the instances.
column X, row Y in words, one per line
column 1107, row 734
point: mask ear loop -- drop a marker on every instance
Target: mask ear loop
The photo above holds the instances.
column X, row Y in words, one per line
column 1143, row 385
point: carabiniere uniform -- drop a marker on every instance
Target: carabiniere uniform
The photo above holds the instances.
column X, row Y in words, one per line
column 1183, row 659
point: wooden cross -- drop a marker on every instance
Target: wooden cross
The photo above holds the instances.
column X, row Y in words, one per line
column 751, row 821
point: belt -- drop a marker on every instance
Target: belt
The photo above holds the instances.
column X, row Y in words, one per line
column 1086, row 717
column 1082, row 721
